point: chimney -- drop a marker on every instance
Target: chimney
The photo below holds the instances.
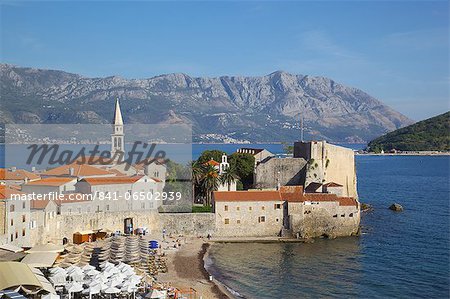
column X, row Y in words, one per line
column 71, row 171
column 33, row 169
column 13, row 169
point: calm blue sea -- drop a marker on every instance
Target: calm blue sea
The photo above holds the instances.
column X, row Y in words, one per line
column 400, row 255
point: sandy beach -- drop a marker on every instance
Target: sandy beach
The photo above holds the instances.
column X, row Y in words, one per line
column 186, row 270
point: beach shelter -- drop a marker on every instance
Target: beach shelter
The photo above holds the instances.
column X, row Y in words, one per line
column 93, row 290
column 15, row 274
column 49, row 247
column 40, row 259
column 88, row 268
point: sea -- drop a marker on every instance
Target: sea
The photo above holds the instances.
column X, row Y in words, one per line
column 399, row 254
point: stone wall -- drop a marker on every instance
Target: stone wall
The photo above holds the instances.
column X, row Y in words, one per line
column 328, row 163
column 282, row 171
column 193, row 224
column 323, row 219
column 242, row 218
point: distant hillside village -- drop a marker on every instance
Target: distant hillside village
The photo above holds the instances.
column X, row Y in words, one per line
column 311, row 194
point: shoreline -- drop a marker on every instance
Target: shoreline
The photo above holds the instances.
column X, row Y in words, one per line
column 186, row 270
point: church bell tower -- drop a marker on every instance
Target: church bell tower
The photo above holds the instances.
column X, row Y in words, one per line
column 117, row 137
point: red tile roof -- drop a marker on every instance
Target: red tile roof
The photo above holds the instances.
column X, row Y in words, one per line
column 212, row 163
column 78, row 170
column 6, row 192
column 286, row 193
column 112, row 180
column 247, row 196
column 18, row 174
column 52, row 181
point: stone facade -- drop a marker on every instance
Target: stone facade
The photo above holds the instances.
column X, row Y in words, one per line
column 328, row 163
column 315, row 219
column 249, row 218
column 275, row 172
column 64, row 226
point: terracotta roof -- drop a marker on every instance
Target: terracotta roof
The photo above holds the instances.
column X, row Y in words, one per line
column 347, row 201
column 52, row 181
column 116, row 172
column 67, row 198
column 5, row 192
column 112, row 180
column 78, row 170
column 212, row 163
column 156, row 180
column 292, row 193
column 247, row 196
column 39, row 204
column 332, row 184
column 18, row 174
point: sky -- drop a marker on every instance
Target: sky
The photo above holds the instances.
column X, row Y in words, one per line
column 397, row 51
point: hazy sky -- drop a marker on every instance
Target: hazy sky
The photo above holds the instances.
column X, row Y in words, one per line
column 396, row 51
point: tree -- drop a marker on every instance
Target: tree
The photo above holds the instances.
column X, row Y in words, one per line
column 210, row 182
column 208, row 154
column 244, row 165
column 229, row 176
column 197, row 176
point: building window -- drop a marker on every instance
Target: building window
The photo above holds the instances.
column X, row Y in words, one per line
column 23, row 232
column 23, row 205
column 277, row 219
column 262, row 219
column 249, row 208
column 17, row 235
column 12, row 237
column 277, row 206
column 335, row 216
column 143, row 205
column 227, row 221
column 23, row 218
column 107, row 207
column 12, row 222
column 263, row 208
column 238, row 221
column 238, row 208
column 225, row 208
column 11, row 208
column 343, row 215
column 351, row 215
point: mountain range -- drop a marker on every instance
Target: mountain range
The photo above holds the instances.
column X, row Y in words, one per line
column 221, row 109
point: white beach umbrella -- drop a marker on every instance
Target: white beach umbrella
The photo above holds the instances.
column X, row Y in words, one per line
column 57, row 270
column 88, row 268
column 156, row 294
column 92, row 272
column 51, row 296
column 74, row 287
column 111, row 290
column 93, row 290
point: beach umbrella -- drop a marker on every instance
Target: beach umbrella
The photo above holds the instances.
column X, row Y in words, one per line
column 51, row 296
column 74, row 287
column 111, row 290
column 92, row 272
column 93, row 290
column 88, row 268
column 130, row 288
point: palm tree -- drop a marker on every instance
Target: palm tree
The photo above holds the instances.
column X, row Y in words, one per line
column 229, row 176
column 210, row 182
column 197, row 176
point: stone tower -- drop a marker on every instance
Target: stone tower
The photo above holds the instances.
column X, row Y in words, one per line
column 117, row 137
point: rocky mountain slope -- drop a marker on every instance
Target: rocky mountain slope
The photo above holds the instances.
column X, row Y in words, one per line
column 432, row 134
column 256, row 109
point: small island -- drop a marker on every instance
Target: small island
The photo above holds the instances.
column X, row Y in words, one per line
column 424, row 136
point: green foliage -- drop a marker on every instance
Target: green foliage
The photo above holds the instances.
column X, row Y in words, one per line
column 428, row 135
column 175, row 178
column 288, row 148
column 244, row 165
column 201, row 209
column 208, row 154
